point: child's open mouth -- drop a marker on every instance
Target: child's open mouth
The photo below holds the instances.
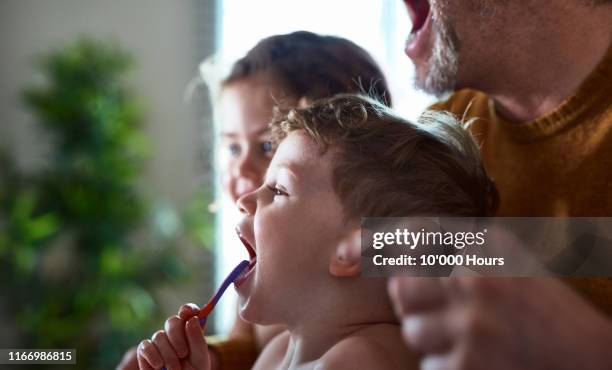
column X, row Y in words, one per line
column 252, row 259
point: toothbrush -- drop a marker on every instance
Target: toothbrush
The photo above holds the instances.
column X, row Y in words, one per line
column 207, row 309
column 233, row 275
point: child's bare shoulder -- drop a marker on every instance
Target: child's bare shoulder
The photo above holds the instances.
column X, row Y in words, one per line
column 273, row 352
column 375, row 347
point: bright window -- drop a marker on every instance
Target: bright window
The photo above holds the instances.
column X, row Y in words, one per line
column 379, row 26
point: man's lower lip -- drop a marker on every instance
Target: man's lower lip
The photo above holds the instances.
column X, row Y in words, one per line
column 417, row 45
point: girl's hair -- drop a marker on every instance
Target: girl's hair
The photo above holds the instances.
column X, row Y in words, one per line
column 310, row 66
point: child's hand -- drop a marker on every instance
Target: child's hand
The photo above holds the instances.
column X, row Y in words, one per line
column 180, row 345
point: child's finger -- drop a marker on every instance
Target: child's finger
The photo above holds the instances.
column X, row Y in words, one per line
column 188, row 310
column 198, row 350
column 147, row 353
column 175, row 330
column 166, row 350
column 144, row 365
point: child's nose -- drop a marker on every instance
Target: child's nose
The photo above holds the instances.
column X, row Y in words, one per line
column 247, row 203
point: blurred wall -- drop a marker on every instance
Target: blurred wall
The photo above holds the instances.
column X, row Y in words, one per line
column 167, row 39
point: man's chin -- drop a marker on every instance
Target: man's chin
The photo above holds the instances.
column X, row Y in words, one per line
column 436, row 73
column 434, row 85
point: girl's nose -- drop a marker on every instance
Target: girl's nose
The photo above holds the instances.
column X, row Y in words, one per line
column 248, row 167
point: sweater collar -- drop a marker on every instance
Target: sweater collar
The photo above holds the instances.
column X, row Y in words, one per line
column 592, row 97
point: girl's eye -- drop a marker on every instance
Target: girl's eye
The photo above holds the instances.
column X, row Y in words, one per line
column 234, row 149
column 266, row 147
column 276, row 191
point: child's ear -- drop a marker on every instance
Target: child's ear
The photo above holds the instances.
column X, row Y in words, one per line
column 346, row 261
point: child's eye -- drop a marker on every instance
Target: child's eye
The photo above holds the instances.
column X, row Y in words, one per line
column 276, row 191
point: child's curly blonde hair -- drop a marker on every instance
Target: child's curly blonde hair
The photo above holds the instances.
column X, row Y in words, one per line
column 385, row 166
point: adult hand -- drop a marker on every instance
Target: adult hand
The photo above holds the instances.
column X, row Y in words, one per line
column 502, row 323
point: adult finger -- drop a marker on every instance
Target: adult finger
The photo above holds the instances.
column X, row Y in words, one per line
column 175, row 330
column 479, row 288
column 428, row 332
column 166, row 350
column 148, row 353
column 198, row 350
column 413, row 294
column 188, row 310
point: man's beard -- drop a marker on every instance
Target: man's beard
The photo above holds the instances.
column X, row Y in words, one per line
column 442, row 66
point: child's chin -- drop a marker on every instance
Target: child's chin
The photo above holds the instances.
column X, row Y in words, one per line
column 254, row 308
column 245, row 302
column 248, row 312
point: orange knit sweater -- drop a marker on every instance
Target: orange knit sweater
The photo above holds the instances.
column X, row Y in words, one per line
column 557, row 165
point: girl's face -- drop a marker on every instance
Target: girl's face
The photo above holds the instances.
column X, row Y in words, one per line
column 245, row 110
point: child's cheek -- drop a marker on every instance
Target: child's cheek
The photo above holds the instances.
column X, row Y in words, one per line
column 278, row 238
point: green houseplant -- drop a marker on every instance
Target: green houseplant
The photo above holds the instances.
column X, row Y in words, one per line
column 75, row 273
